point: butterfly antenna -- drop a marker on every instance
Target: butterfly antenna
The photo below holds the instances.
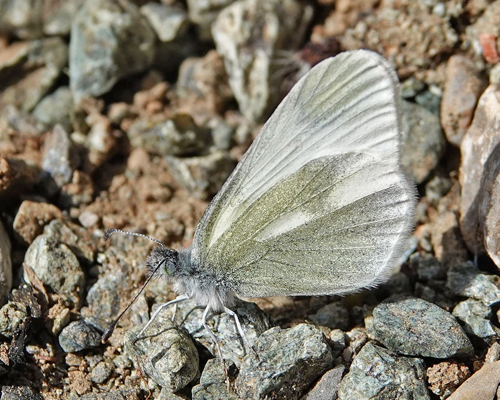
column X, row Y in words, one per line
column 110, row 232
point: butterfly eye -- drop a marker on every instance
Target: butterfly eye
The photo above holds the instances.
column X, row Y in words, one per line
column 163, row 261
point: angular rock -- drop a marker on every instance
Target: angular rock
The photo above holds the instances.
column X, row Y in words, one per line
column 467, row 281
column 204, row 13
column 12, row 315
column 247, row 34
column 168, row 22
column 201, row 176
column 284, row 364
column 483, row 385
column 28, row 70
column 21, row 18
column 169, row 356
column 123, row 394
column 78, row 336
column 213, row 383
column 377, row 373
column 60, row 159
column 477, row 147
column 489, row 206
column 423, row 141
column 56, row 108
column 475, row 315
column 253, row 320
column 109, row 41
column 56, row 266
column 333, row 315
column 58, row 16
column 32, row 217
column 462, row 89
column 178, row 136
column 446, row 376
column 20, row 393
column 17, row 176
column 101, row 372
column 5, row 265
column 408, row 326
column 328, row 385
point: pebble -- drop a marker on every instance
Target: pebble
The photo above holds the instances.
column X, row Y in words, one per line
column 201, row 176
column 101, row 372
column 204, row 13
column 213, row 383
column 178, row 136
column 476, row 148
column 482, row 385
column 446, row 376
column 57, row 267
column 462, row 89
column 423, row 141
column 377, row 373
column 475, row 316
column 408, row 326
column 467, row 281
column 78, row 336
column 55, row 109
column 333, row 315
column 247, row 34
column 5, row 264
column 12, row 315
column 39, row 64
column 20, row 393
column 328, row 385
column 168, row 22
column 427, row 267
column 169, row 356
column 488, row 206
column 285, row 363
column 109, row 41
column 58, row 16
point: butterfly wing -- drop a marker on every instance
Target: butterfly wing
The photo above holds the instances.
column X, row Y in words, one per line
column 318, row 204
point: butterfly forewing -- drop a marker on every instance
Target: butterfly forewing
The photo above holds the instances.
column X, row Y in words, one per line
column 319, row 204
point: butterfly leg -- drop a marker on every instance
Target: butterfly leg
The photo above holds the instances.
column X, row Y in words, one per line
column 232, row 314
column 214, row 338
column 159, row 309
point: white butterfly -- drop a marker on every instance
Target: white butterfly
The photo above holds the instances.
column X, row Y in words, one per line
column 319, row 204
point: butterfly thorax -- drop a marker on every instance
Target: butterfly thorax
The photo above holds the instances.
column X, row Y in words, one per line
column 201, row 286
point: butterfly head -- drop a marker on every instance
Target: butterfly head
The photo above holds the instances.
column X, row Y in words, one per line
column 163, row 261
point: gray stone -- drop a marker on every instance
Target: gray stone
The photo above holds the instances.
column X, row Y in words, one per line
column 56, row 108
column 204, row 13
column 123, row 394
column 213, row 383
column 416, row 327
column 57, row 267
column 12, row 315
column 78, row 239
column 168, row 22
column 377, row 373
column 476, row 149
column 178, row 136
column 58, row 16
column 165, row 352
column 20, row 393
column 101, row 372
column 109, row 41
column 333, row 315
column 462, row 89
column 59, row 159
column 253, row 320
column 222, row 135
column 21, row 18
column 328, row 385
column 201, row 176
column 467, row 281
column 423, row 141
column 78, row 336
column 28, row 70
column 430, row 101
column 475, row 316
column 411, row 87
column 247, row 34
column 489, row 205
column 5, row 264
column 284, row 364
column 427, row 267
